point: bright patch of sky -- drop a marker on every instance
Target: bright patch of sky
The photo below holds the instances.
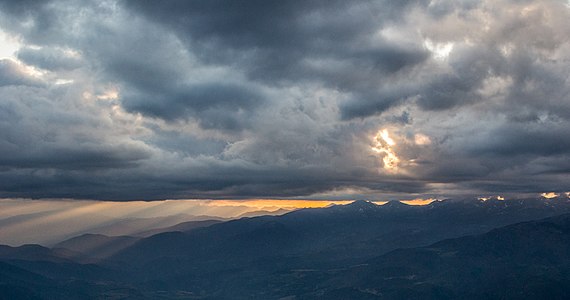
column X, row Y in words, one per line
column 440, row 50
column 8, row 45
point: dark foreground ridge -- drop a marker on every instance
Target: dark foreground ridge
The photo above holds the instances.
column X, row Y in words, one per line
column 444, row 250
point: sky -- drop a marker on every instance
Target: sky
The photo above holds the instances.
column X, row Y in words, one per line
column 152, row 100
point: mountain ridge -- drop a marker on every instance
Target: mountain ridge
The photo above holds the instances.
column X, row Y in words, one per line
column 528, row 260
column 309, row 253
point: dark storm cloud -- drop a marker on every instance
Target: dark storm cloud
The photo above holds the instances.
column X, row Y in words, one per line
column 215, row 180
column 65, row 158
column 531, row 139
column 214, row 105
column 150, row 100
column 461, row 86
column 365, row 105
column 221, row 106
column 326, row 41
column 187, row 145
column 279, row 26
column 299, row 41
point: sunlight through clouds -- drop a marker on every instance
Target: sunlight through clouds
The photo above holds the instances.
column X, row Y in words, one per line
column 128, row 100
column 21, row 218
column 8, row 45
column 440, row 50
column 422, row 139
column 382, row 144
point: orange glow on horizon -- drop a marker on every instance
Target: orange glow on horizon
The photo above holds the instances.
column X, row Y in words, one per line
column 550, row 195
column 264, row 204
column 64, row 218
column 418, row 201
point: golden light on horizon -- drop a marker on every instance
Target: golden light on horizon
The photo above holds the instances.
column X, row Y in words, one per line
column 275, row 204
column 382, row 144
column 64, row 218
column 418, row 201
column 550, row 195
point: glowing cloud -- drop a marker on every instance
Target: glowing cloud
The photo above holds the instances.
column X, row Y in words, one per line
column 440, row 51
column 8, row 45
column 110, row 94
column 422, row 139
column 382, row 144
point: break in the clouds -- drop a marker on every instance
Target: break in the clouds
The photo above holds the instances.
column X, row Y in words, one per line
column 135, row 100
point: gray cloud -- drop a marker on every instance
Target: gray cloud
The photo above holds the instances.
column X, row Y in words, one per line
column 221, row 106
column 39, row 134
column 12, row 73
column 24, row 7
column 235, row 99
column 532, row 139
column 49, row 58
column 326, row 41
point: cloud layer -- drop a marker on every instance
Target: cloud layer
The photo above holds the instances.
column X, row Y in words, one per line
column 129, row 100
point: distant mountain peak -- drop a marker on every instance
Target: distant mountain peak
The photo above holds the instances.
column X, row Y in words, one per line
column 395, row 204
column 362, row 204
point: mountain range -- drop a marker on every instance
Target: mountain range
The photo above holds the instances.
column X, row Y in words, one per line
column 445, row 250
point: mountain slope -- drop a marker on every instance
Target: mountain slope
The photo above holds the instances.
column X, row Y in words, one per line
column 339, row 252
column 258, row 213
column 17, row 283
column 246, row 256
column 182, row 227
column 96, row 246
column 133, row 226
column 35, row 253
column 344, row 232
column 529, row 260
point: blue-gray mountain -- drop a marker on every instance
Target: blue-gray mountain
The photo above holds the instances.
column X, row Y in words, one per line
column 340, row 252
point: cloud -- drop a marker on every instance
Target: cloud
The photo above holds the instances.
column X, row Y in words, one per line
column 215, row 105
column 50, row 58
column 333, row 42
column 38, row 134
column 12, row 73
column 129, row 100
